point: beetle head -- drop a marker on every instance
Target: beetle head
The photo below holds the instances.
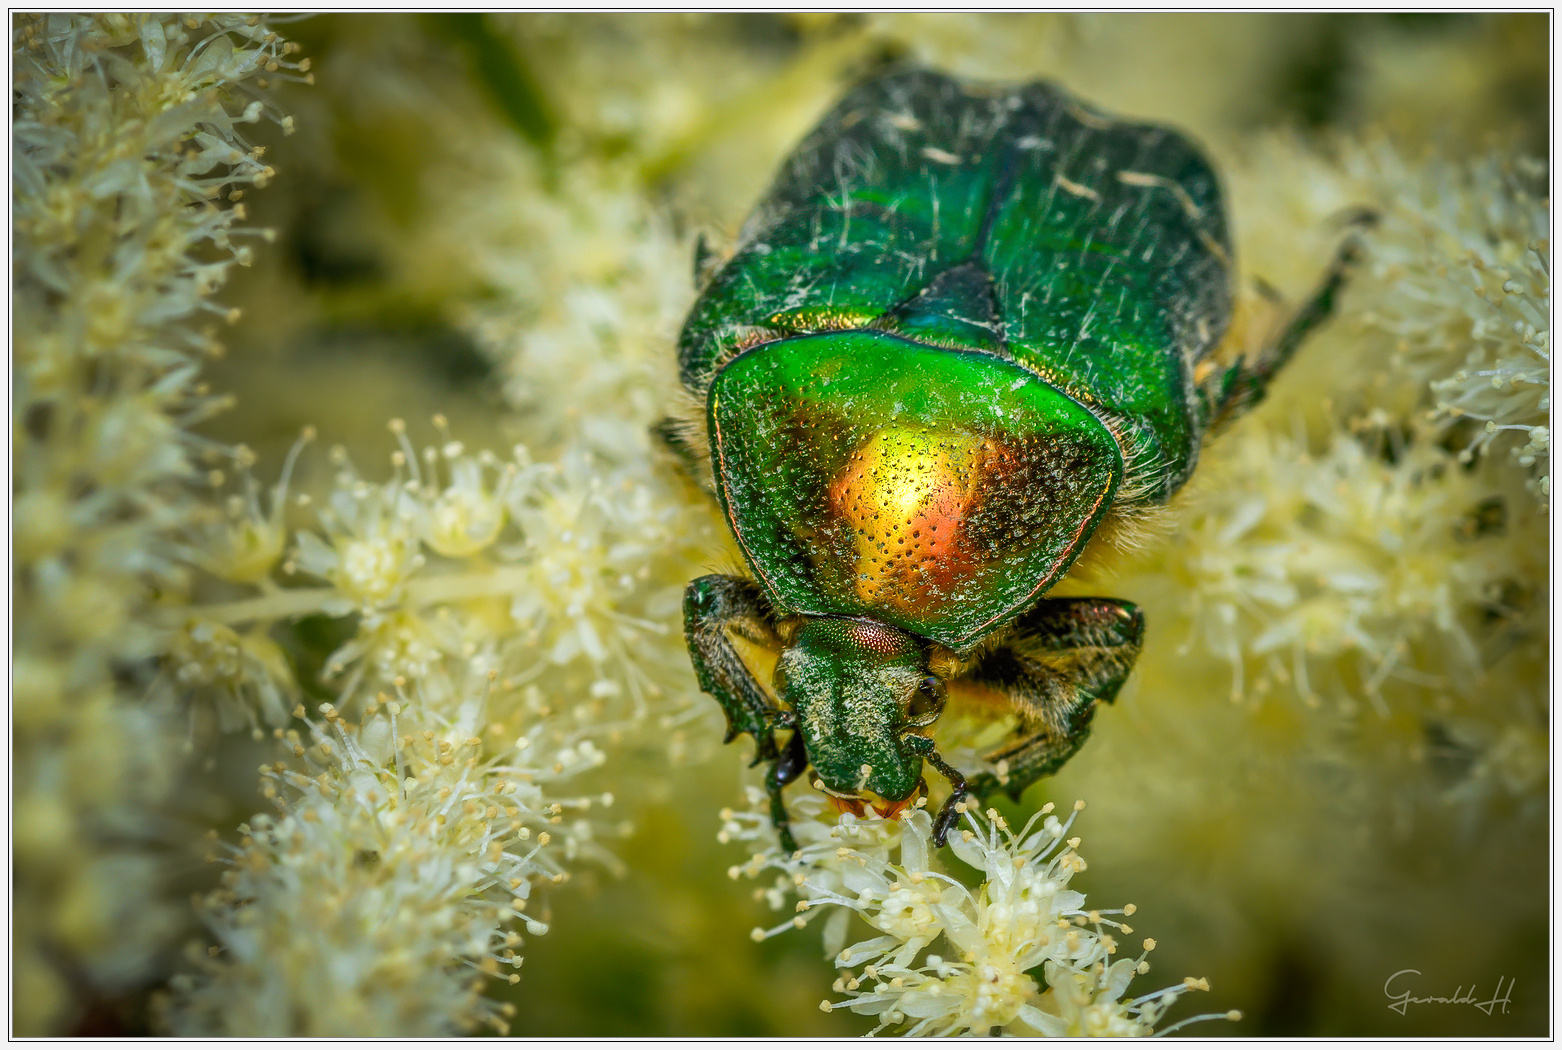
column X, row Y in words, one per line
column 858, row 689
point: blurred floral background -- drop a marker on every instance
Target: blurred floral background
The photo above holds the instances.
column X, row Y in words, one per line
column 349, row 688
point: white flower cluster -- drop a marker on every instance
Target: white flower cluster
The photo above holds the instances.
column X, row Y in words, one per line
column 125, row 141
column 1294, row 563
column 1464, row 246
column 498, row 610
column 389, row 888
column 1018, row 954
column 525, row 614
column 1386, row 565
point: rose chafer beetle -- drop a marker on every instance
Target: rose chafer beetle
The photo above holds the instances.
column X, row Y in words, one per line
column 968, row 332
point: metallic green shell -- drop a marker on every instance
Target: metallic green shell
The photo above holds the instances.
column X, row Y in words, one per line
column 1013, row 225
column 1092, row 251
column 935, row 490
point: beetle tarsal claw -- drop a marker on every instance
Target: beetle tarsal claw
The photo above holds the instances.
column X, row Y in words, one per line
column 947, row 815
column 959, row 790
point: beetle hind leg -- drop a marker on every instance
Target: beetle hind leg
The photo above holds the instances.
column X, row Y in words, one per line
column 1232, row 392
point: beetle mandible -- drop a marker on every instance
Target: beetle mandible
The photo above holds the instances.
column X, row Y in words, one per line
column 969, row 331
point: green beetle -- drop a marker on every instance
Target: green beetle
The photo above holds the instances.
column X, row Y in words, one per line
column 969, row 331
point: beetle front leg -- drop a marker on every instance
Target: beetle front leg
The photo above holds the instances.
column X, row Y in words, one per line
column 713, row 605
column 1067, row 655
column 787, row 767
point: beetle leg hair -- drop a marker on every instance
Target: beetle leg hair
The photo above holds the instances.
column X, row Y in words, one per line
column 1232, row 392
column 1067, row 655
column 683, row 434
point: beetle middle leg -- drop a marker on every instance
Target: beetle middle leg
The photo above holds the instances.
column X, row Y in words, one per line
column 683, row 435
column 1066, row 656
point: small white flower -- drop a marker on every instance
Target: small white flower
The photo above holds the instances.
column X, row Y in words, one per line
column 370, row 546
column 251, row 539
column 247, row 674
column 464, row 516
